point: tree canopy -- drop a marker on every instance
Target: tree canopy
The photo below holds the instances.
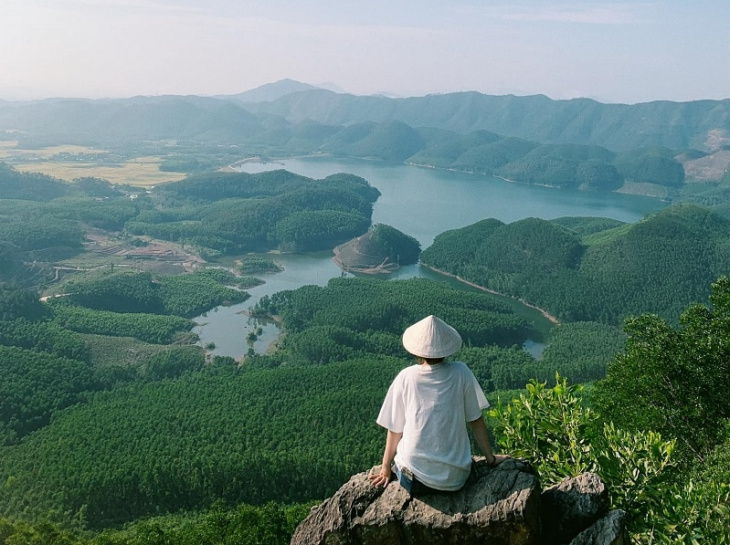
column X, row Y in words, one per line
column 659, row 264
column 674, row 379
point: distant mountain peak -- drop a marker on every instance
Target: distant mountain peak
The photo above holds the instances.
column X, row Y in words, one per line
column 270, row 92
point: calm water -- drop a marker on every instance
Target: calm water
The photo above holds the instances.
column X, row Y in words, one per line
column 422, row 203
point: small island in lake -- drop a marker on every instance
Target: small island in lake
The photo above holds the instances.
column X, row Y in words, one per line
column 382, row 250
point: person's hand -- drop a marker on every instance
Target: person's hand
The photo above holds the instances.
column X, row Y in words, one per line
column 382, row 478
column 496, row 459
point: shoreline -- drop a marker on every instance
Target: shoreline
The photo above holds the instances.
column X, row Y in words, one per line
column 278, row 160
column 273, row 160
column 542, row 311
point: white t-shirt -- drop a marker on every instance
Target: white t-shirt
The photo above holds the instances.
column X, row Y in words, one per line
column 430, row 405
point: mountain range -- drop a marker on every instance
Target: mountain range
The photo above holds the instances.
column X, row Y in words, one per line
column 453, row 130
column 699, row 124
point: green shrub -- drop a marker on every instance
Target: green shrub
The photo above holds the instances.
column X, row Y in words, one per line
column 552, row 429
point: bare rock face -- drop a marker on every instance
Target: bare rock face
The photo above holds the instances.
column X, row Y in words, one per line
column 498, row 506
column 571, row 506
column 610, row 530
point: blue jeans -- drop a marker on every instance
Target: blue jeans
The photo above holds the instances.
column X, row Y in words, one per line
column 412, row 485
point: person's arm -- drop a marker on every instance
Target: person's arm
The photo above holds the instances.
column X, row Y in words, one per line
column 391, row 444
column 479, row 429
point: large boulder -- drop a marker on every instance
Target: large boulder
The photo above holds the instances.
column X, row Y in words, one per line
column 501, row 505
column 571, row 506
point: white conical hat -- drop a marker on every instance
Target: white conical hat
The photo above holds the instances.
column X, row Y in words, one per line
column 431, row 338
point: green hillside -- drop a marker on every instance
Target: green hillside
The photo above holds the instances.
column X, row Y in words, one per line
column 660, row 264
column 108, row 122
column 322, row 326
column 653, row 165
column 44, row 220
column 676, row 125
column 221, row 434
column 391, row 141
column 381, row 250
column 571, row 166
column 487, row 158
column 444, row 152
column 239, row 212
column 33, row 187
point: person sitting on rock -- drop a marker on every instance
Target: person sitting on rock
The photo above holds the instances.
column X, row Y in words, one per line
column 425, row 412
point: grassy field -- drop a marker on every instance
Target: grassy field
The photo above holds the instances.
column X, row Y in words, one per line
column 139, row 172
column 106, row 351
column 6, row 148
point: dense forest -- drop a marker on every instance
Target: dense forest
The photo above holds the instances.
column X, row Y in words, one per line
column 216, row 213
column 321, row 327
column 52, row 352
column 266, row 430
column 239, row 212
column 587, row 270
column 109, row 444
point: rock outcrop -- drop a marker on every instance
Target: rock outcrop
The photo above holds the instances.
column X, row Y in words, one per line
column 502, row 505
column 571, row 506
column 609, row 530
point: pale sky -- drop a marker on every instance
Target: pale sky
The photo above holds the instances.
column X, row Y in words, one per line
column 613, row 51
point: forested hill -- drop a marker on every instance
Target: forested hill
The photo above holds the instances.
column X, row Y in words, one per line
column 592, row 269
column 381, row 250
column 310, row 116
column 123, row 120
column 44, row 220
column 677, row 125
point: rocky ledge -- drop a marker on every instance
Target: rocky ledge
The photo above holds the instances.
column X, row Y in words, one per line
column 502, row 505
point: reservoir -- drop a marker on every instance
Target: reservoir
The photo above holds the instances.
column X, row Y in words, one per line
column 422, row 203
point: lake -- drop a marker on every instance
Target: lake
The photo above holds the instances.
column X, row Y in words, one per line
column 421, row 202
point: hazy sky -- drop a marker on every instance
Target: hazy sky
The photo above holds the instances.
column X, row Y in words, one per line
column 620, row 51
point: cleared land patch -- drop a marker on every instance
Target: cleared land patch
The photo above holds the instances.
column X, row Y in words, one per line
column 109, row 351
column 69, row 162
column 710, row 167
column 7, row 147
column 140, row 172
